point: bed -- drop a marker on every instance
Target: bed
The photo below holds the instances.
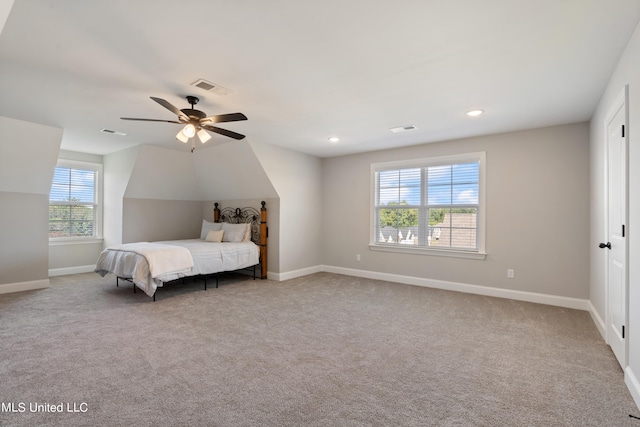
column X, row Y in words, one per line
column 236, row 240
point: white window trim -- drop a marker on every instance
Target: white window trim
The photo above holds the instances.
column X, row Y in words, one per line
column 480, row 252
column 65, row 163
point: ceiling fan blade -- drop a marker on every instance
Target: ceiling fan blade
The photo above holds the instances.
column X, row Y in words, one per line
column 221, row 118
column 224, row 132
column 170, row 107
column 151, row 120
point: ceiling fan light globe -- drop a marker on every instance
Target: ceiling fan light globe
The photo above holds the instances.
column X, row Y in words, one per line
column 182, row 137
column 203, row 135
column 189, row 130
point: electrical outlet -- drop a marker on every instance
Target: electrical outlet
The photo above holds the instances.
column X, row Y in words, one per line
column 357, row 257
column 511, row 273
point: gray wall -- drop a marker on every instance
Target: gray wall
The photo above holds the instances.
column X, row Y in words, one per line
column 297, row 179
column 25, row 181
column 537, row 208
column 231, row 171
column 118, row 168
column 23, row 236
column 148, row 220
column 162, row 198
column 71, row 258
column 163, row 174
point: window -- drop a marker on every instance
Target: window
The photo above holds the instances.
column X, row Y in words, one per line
column 75, row 201
column 433, row 205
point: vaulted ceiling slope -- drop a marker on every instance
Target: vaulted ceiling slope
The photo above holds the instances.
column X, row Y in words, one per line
column 305, row 71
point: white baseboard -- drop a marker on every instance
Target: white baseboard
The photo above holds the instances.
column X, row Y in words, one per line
column 24, row 286
column 295, row 273
column 633, row 385
column 71, row 270
column 575, row 303
column 598, row 321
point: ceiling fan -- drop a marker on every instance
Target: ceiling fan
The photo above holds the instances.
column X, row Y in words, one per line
column 196, row 122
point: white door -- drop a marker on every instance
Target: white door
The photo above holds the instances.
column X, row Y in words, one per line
column 616, row 245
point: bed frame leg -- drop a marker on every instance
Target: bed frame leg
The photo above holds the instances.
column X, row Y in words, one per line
column 154, row 297
column 134, row 288
column 205, row 283
column 216, row 280
column 117, row 282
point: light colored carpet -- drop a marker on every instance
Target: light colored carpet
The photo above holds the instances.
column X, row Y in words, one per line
column 321, row 350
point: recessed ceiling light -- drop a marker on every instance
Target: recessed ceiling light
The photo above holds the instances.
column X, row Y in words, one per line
column 334, row 139
column 474, row 113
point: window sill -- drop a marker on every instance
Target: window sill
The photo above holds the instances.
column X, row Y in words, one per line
column 452, row 253
column 72, row 241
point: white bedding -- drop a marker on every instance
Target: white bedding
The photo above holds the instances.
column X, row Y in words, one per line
column 208, row 258
column 162, row 259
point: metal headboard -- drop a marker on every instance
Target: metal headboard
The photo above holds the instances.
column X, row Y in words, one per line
column 258, row 221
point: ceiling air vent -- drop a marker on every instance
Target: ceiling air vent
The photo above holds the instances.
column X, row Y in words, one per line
column 403, row 128
column 211, row 87
column 114, row 132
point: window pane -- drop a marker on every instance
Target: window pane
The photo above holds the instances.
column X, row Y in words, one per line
column 410, row 177
column 58, row 228
column 59, row 212
column 81, row 194
column 388, row 196
column 389, row 178
column 465, row 173
column 61, row 176
column 59, row 193
column 387, row 218
column 463, row 238
column 82, row 177
column 397, row 226
column 456, row 229
column 439, row 175
column 399, row 187
column 464, row 217
column 439, row 194
column 82, row 213
column 72, row 220
column 465, row 194
column 434, row 235
column 81, row 228
column 398, row 217
column 436, row 216
column 439, row 191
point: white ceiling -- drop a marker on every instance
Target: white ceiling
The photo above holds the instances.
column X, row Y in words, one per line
column 303, row 71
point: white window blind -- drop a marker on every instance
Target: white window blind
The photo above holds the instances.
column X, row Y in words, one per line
column 74, row 203
column 429, row 203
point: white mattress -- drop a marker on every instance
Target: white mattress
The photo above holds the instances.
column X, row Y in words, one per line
column 208, row 258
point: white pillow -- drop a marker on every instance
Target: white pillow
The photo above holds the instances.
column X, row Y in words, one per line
column 208, row 226
column 247, row 234
column 233, row 232
column 214, row 236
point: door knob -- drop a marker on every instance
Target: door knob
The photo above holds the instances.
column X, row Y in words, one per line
column 603, row 245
